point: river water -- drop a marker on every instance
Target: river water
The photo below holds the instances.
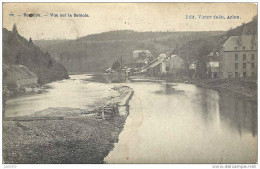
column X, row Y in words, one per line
column 76, row 92
column 168, row 123
column 182, row 123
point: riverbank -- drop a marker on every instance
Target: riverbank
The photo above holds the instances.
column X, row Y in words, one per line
column 246, row 87
column 64, row 135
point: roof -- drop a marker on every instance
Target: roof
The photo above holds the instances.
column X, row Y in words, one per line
column 139, row 51
column 194, row 62
column 239, row 42
column 173, row 57
column 17, row 72
column 153, row 63
column 156, row 62
column 213, row 64
column 169, row 52
column 162, row 55
column 109, row 69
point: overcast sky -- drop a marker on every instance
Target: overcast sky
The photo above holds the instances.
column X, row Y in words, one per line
column 121, row 16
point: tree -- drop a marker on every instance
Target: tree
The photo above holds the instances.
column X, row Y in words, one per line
column 50, row 63
column 47, row 54
column 177, row 46
column 116, row 65
column 18, row 58
column 15, row 29
column 30, row 41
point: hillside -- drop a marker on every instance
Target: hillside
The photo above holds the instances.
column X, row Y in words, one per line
column 196, row 49
column 18, row 50
column 98, row 51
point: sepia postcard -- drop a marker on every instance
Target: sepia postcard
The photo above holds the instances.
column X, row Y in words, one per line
column 130, row 83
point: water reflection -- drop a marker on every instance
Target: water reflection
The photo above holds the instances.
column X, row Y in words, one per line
column 168, row 89
column 239, row 112
column 182, row 123
column 233, row 109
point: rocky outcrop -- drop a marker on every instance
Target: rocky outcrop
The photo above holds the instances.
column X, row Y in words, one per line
column 19, row 76
column 19, row 51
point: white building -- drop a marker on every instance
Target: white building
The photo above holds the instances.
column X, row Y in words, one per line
column 172, row 65
column 213, row 69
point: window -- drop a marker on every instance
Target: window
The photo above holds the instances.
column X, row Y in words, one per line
column 252, row 57
column 236, row 57
column 236, row 74
column 244, row 47
column 244, row 56
column 252, row 47
column 230, row 75
column 244, row 74
column 252, row 65
column 235, row 48
column 252, row 73
column 236, row 65
column 244, row 65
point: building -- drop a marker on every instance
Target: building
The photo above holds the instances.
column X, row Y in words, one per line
column 173, row 64
column 154, row 67
column 19, row 76
column 193, row 65
column 193, row 69
column 213, row 70
column 213, row 57
column 213, row 65
column 238, row 57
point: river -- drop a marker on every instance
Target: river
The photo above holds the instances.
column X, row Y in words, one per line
column 168, row 122
column 76, row 92
column 182, row 123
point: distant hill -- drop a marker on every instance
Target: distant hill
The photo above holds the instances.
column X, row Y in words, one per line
column 18, row 50
column 98, row 51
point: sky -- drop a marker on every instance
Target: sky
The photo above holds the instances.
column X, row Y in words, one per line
column 121, row 16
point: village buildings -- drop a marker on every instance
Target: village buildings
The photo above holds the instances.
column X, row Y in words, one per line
column 213, row 65
column 193, row 69
column 213, row 69
column 238, row 57
column 172, row 65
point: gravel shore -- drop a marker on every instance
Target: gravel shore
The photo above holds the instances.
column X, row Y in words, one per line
column 64, row 136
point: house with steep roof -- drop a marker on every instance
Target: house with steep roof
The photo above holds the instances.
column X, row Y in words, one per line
column 238, row 57
column 173, row 65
